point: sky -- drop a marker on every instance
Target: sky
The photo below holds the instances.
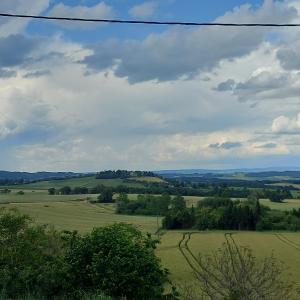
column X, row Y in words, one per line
column 89, row 97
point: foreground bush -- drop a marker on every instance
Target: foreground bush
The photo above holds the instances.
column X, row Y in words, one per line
column 117, row 260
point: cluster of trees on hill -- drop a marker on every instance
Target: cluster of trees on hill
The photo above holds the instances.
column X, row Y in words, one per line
column 122, row 174
column 211, row 213
column 117, row 261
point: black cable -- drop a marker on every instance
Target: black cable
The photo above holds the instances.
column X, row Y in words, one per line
column 149, row 22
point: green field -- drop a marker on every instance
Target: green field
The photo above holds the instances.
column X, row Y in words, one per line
column 40, row 196
column 81, row 216
column 67, row 214
column 285, row 246
column 148, row 179
column 88, row 182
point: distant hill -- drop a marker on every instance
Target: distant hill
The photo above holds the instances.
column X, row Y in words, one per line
column 26, row 176
column 227, row 171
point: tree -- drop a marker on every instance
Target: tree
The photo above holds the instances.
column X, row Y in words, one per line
column 234, row 273
column 118, row 260
column 52, row 191
column 30, row 258
column 66, row 190
column 106, row 196
column 178, row 203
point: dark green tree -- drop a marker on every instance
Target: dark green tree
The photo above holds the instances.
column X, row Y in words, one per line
column 118, row 260
column 66, row 190
column 106, row 196
column 52, row 191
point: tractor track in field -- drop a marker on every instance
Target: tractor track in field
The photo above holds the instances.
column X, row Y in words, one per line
column 183, row 248
column 287, row 241
column 295, row 243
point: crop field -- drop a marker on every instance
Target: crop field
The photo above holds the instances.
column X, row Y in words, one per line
column 148, row 179
column 67, row 214
column 177, row 247
column 88, row 182
column 81, row 216
column 35, row 196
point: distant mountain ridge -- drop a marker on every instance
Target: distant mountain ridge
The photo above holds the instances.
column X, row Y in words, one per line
column 10, row 175
column 228, row 171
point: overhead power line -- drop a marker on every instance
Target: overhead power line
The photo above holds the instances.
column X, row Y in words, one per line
column 71, row 19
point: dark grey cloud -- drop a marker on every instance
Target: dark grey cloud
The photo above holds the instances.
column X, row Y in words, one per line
column 5, row 73
column 15, row 49
column 289, row 57
column 36, row 74
column 227, row 85
column 265, row 85
column 268, row 146
column 226, row 145
column 186, row 52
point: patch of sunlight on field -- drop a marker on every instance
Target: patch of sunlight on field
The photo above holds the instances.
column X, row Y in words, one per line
column 148, row 179
column 82, row 216
column 285, row 205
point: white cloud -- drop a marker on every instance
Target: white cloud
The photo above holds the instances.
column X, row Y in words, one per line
column 287, row 125
column 184, row 53
column 10, row 26
column 98, row 11
column 146, row 9
column 70, row 121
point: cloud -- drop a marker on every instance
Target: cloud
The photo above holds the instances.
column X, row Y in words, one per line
column 289, row 56
column 98, row 11
column 264, row 85
column 267, row 146
column 5, row 73
column 178, row 52
column 227, row 85
column 37, row 74
column 286, row 125
column 225, row 145
column 146, row 9
column 10, row 53
column 9, row 26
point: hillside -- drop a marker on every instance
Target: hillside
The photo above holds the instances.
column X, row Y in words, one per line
column 88, row 181
column 27, row 176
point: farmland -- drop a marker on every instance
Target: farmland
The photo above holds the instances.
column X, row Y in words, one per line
column 285, row 246
column 81, row 216
column 75, row 212
column 87, row 181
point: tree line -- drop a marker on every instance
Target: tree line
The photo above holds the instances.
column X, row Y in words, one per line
column 223, row 191
column 122, row 174
column 210, row 213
